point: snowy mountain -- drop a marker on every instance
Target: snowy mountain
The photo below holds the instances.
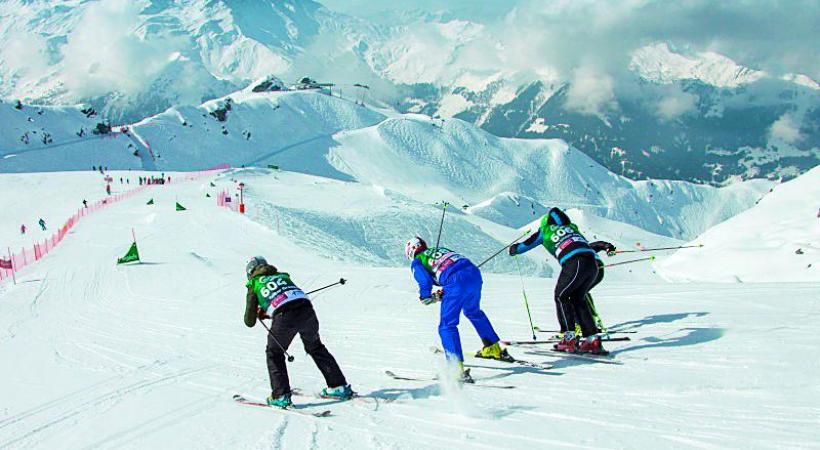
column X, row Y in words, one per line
column 679, row 114
column 776, row 240
column 700, row 117
column 132, row 59
column 427, row 159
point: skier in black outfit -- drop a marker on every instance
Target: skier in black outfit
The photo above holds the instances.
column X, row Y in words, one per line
column 272, row 294
column 579, row 273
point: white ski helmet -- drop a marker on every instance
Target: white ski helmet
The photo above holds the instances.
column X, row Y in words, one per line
column 254, row 262
column 414, row 246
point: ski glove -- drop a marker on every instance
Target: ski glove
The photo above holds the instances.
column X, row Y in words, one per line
column 427, row 301
column 438, row 295
column 603, row 245
column 513, row 250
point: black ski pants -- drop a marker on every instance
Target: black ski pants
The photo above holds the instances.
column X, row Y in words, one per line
column 578, row 275
column 291, row 318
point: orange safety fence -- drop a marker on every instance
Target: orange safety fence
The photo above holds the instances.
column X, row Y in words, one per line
column 29, row 255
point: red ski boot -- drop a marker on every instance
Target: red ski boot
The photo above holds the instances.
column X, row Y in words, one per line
column 568, row 344
column 592, row 345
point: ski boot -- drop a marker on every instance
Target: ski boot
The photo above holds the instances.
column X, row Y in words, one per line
column 280, row 402
column 592, row 345
column 338, row 393
column 494, row 351
column 464, row 376
column 568, row 344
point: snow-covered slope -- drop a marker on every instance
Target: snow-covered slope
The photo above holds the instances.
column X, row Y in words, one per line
column 428, row 160
column 292, row 128
column 776, row 240
column 455, row 161
column 47, row 138
column 56, row 197
column 149, row 355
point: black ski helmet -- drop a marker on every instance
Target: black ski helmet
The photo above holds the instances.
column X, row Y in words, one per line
column 254, row 262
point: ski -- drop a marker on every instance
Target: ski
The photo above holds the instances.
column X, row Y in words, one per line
column 607, row 332
column 605, row 359
column 244, row 401
column 520, row 362
column 552, row 341
column 364, row 400
column 477, row 383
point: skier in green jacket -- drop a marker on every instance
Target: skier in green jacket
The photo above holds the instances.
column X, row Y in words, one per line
column 272, row 294
column 580, row 271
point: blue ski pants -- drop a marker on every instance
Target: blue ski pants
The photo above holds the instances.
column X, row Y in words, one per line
column 462, row 292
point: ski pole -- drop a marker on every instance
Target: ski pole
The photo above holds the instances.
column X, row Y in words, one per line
column 524, row 291
column 341, row 281
column 658, row 248
column 270, row 333
column 650, row 258
column 441, row 224
column 504, row 248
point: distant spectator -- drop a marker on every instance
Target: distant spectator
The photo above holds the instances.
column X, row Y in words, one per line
column 23, row 229
column 108, row 189
column 85, row 203
column 42, row 224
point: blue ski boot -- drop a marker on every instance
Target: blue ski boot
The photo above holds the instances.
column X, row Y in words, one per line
column 338, row 393
column 280, row 402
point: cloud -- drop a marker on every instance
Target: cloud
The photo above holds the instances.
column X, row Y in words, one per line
column 25, row 53
column 785, row 130
column 106, row 52
column 566, row 38
column 591, row 92
column 335, row 58
column 778, row 36
column 675, row 103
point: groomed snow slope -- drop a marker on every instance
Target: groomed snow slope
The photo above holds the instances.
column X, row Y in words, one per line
column 776, row 240
column 348, row 221
column 456, row 161
column 24, row 202
column 148, row 355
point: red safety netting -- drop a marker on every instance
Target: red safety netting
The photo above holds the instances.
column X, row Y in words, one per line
column 225, row 200
column 32, row 254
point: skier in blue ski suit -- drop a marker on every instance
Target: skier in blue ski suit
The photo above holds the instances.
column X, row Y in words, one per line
column 461, row 282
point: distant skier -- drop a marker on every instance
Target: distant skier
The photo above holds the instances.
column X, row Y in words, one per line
column 85, row 203
column 272, row 294
column 461, row 282
column 579, row 273
column 22, row 228
column 42, row 224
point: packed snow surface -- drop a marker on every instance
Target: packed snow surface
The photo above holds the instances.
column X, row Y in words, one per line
column 776, row 240
column 148, row 355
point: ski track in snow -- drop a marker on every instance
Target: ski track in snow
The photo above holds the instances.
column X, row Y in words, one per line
column 148, row 355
